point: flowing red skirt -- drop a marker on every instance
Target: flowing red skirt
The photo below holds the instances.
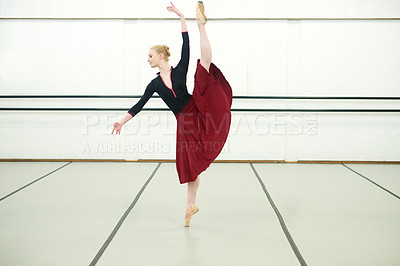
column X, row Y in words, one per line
column 203, row 124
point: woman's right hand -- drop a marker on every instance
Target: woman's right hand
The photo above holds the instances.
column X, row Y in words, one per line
column 172, row 8
column 117, row 128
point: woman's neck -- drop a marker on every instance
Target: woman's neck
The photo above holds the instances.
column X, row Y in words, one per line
column 164, row 67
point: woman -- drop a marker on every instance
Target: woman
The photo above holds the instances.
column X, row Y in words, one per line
column 203, row 119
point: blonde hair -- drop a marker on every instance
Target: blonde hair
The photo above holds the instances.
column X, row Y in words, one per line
column 162, row 49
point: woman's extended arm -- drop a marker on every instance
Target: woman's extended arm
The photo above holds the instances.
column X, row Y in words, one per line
column 183, row 64
column 172, row 8
column 134, row 110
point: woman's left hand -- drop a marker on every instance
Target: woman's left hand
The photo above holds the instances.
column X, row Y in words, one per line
column 172, row 8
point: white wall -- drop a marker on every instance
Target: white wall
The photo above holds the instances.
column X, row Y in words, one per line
column 215, row 8
column 280, row 57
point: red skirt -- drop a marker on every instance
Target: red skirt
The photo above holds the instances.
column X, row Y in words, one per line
column 203, row 124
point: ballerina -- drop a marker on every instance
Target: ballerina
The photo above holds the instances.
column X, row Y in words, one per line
column 203, row 118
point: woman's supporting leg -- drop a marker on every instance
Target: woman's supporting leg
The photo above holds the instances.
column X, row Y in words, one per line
column 205, row 47
column 192, row 191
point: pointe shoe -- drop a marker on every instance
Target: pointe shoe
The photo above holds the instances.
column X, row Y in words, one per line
column 191, row 211
column 200, row 16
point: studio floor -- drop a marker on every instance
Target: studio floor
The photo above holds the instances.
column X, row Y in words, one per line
column 111, row 213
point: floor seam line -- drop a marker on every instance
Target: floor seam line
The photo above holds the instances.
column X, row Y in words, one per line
column 376, row 184
column 122, row 219
column 281, row 221
column 34, row 181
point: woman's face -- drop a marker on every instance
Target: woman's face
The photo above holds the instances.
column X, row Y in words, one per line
column 153, row 58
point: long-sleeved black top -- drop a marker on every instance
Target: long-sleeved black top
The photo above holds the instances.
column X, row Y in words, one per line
column 176, row 97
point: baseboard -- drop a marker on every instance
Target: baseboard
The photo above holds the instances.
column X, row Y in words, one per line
column 216, row 161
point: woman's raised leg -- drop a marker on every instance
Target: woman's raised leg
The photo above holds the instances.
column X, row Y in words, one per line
column 205, row 46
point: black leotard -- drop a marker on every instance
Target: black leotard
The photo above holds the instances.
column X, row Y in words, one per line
column 177, row 97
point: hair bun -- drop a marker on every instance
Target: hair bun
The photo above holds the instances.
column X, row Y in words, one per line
column 166, row 48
